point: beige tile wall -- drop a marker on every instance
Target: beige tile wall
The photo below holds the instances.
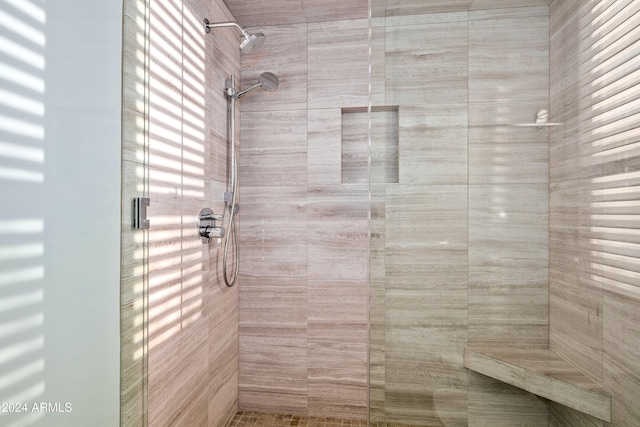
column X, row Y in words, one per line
column 304, row 235
column 470, row 267
column 480, row 275
column 459, row 243
column 175, row 153
column 595, row 299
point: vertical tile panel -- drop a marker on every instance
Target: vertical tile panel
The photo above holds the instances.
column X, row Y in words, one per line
column 564, row 46
column 508, row 265
column 273, row 148
column 338, row 232
column 571, row 154
column 273, row 299
column 377, row 240
column 508, row 306
column 273, row 374
column 178, row 147
column 378, row 61
column 426, row 64
column 222, row 343
column 377, row 305
column 325, row 147
column 508, row 290
column 338, row 64
column 186, row 373
column 508, row 201
column 338, row 301
column 426, row 304
column 433, row 144
column 273, row 255
column 508, row 55
column 337, row 378
column 304, row 289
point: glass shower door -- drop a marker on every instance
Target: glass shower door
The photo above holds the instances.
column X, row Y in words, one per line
column 418, row 252
column 134, row 280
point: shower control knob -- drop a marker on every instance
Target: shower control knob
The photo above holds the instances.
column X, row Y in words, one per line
column 209, row 233
column 210, row 217
column 207, row 225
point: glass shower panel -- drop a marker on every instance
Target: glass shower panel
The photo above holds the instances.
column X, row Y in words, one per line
column 418, row 240
column 459, row 240
column 134, row 279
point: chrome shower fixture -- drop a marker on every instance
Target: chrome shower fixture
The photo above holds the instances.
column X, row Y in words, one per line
column 267, row 81
column 250, row 42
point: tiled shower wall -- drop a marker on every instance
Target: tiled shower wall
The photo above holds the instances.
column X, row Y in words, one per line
column 595, row 178
column 459, row 237
column 193, row 315
column 303, row 285
column 175, row 152
column 464, row 233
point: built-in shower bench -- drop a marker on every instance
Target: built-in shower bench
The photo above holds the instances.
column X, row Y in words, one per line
column 544, row 373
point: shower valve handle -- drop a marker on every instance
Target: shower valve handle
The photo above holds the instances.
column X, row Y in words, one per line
column 211, row 217
column 211, row 233
column 207, row 225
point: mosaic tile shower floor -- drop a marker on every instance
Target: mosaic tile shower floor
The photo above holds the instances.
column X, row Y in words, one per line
column 256, row 419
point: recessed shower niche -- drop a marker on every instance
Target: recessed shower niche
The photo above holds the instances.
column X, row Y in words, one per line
column 384, row 145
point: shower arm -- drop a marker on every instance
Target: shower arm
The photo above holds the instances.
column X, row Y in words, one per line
column 208, row 26
column 242, row 93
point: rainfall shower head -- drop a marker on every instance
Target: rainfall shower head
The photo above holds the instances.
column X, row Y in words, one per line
column 267, row 81
column 250, row 42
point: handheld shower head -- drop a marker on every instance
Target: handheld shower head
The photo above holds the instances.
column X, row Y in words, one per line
column 250, row 42
column 267, row 81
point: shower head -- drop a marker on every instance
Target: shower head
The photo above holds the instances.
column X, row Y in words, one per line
column 250, row 42
column 267, row 81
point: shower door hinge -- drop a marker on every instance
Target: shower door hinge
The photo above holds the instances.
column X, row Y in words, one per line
column 140, row 213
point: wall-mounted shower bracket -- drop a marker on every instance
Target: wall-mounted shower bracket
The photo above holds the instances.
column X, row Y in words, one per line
column 230, row 88
column 207, row 225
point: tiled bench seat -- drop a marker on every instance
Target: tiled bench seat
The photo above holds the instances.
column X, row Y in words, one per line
column 544, row 373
